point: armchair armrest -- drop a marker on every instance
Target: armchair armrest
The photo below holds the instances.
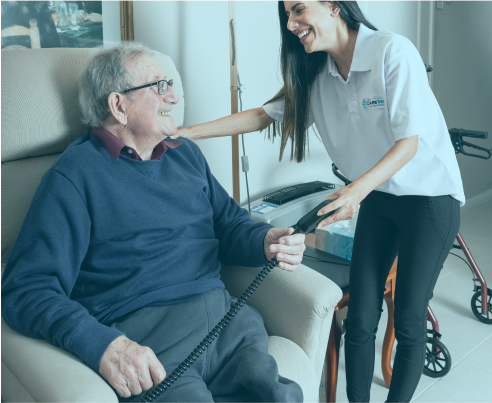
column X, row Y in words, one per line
column 296, row 305
column 48, row 373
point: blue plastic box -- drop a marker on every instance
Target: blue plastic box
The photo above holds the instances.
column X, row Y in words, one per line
column 339, row 243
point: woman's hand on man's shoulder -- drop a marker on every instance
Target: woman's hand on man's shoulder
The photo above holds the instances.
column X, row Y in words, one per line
column 184, row 132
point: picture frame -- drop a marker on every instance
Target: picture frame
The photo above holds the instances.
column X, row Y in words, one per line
column 73, row 24
column 126, row 13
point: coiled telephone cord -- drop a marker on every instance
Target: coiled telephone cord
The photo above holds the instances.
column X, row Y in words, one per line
column 214, row 333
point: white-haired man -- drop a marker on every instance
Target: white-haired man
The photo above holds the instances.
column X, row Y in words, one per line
column 118, row 259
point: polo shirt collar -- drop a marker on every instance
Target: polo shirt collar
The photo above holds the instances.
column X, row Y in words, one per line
column 363, row 52
column 114, row 145
column 364, row 47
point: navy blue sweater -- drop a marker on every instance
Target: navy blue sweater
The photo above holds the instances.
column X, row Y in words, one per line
column 103, row 238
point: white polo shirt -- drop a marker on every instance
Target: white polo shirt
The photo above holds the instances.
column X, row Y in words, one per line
column 386, row 98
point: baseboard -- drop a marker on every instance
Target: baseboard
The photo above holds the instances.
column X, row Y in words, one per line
column 476, row 200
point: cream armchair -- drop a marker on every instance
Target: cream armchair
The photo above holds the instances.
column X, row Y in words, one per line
column 40, row 117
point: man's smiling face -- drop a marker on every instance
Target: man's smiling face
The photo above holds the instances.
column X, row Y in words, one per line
column 148, row 112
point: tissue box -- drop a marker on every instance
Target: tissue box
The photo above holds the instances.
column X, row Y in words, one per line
column 339, row 242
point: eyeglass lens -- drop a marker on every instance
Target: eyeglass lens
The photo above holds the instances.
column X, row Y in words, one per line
column 162, row 87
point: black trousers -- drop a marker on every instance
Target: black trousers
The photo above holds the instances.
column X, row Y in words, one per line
column 421, row 230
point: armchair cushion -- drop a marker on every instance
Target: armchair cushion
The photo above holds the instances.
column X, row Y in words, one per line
column 297, row 306
column 47, row 373
column 294, row 364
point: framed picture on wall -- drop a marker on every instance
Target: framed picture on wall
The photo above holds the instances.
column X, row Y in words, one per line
column 53, row 24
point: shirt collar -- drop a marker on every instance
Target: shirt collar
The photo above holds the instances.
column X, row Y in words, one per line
column 114, row 145
column 364, row 47
column 362, row 59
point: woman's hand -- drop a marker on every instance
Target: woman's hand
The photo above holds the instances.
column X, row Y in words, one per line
column 346, row 201
column 184, row 132
column 248, row 121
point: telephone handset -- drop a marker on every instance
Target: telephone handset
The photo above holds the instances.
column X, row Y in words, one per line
column 305, row 225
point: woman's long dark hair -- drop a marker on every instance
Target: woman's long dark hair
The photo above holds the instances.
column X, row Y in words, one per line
column 299, row 70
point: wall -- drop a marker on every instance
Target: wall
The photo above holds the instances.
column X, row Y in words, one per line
column 400, row 17
column 196, row 36
column 463, row 81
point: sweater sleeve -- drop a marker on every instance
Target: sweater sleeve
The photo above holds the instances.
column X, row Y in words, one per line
column 240, row 238
column 43, row 268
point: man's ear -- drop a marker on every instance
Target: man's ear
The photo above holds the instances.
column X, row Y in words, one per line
column 117, row 107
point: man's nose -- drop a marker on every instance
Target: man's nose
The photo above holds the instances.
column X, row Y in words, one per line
column 171, row 97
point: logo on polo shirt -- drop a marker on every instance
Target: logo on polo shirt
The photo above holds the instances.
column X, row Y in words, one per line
column 372, row 103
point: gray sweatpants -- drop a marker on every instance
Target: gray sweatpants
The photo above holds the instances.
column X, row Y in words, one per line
column 235, row 368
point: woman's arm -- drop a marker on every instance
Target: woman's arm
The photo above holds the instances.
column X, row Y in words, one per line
column 349, row 197
column 248, row 121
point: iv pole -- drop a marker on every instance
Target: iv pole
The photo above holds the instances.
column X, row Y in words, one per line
column 234, row 98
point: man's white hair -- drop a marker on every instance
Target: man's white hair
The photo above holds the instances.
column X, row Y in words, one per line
column 106, row 73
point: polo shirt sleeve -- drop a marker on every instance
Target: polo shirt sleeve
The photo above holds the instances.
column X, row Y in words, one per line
column 411, row 103
column 276, row 111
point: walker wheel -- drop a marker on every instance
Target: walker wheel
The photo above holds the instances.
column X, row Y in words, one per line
column 437, row 359
column 476, row 307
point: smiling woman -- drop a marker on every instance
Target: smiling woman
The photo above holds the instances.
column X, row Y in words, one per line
column 302, row 60
column 368, row 94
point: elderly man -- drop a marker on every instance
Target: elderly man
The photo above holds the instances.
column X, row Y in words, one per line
column 118, row 258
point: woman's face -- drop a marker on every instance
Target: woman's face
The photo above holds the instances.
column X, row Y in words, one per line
column 313, row 24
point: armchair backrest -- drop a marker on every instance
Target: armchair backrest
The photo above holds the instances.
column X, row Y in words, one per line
column 41, row 116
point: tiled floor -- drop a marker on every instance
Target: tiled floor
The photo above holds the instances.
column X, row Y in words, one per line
column 468, row 340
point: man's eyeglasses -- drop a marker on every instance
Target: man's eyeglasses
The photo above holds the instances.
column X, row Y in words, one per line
column 161, row 86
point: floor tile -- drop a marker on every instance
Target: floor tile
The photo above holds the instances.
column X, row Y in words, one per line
column 488, row 277
column 480, row 226
column 484, row 262
column 483, row 209
column 463, row 384
column 453, row 263
column 342, row 396
column 481, row 356
column 476, row 245
column 478, row 221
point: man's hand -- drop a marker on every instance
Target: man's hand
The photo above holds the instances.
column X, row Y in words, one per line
column 130, row 368
column 287, row 248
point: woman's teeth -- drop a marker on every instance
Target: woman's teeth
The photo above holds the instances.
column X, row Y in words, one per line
column 164, row 113
column 303, row 34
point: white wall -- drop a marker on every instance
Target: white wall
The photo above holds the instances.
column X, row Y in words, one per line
column 196, row 36
column 394, row 16
column 463, row 81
